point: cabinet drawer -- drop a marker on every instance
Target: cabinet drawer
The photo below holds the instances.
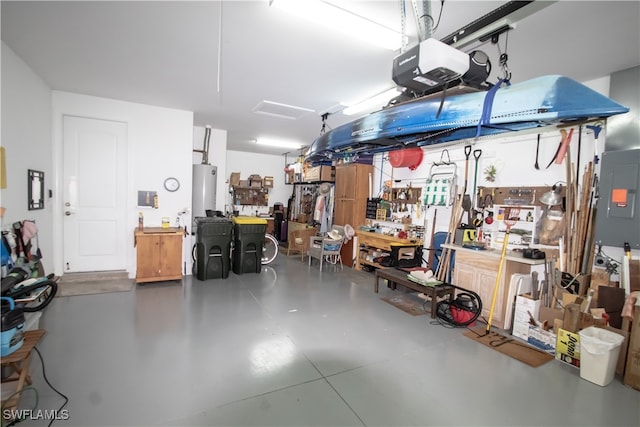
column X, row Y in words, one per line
column 479, row 261
column 377, row 243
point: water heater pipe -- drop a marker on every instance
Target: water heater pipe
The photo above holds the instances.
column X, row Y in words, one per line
column 205, row 149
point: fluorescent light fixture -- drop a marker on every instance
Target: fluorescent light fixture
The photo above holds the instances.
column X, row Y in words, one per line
column 338, row 19
column 377, row 101
column 272, row 142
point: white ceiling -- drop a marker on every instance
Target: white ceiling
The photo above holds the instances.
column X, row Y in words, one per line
column 221, row 59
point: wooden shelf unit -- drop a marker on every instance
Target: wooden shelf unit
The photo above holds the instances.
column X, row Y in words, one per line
column 158, row 254
column 250, row 196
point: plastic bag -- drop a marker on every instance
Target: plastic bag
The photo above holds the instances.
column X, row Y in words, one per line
column 550, row 228
column 599, row 341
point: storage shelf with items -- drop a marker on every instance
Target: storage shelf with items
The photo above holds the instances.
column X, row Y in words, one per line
column 250, row 197
column 369, row 256
column 408, row 195
column 253, row 191
column 373, row 248
column 320, row 174
column 293, row 171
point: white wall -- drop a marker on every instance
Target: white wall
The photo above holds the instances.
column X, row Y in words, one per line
column 263, row 165
column 26, row 136
column 160, row 142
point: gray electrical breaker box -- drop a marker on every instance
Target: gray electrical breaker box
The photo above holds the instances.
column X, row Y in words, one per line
column 617, row 219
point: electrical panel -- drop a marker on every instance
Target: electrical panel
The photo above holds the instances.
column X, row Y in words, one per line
column 617, row 219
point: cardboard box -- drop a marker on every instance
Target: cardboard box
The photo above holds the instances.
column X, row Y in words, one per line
column 632, row 370
column 568, row 348
column 255, row 181
column 624, row 348
column 634, row 275
column 234, row 179
column 320, row 173
column 544, row 340
column 267, row 182
column 550, row 315
column 525, row 304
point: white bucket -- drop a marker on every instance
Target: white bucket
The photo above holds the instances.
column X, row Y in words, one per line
column 599, row 350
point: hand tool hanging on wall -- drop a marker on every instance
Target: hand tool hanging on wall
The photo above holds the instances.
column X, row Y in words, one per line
column 536, row 164
column 563, row 138
column 564, row 146
column 596, row 131
column 578, row 155
column 466, row 199
column 476, row 155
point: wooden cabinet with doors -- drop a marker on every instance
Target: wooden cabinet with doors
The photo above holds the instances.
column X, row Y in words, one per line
column 158, row 254
column 478, row 270
column 350, row 207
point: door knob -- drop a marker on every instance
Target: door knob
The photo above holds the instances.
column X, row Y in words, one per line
column 67, row 213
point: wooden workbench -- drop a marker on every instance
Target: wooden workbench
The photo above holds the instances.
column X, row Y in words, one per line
column 377, row 242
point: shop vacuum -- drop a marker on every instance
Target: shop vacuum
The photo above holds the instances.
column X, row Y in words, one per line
column 12, row 326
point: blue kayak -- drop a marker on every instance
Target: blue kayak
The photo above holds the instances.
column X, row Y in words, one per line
column 538, row 102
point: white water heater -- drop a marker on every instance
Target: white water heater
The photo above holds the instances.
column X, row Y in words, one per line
column 204, row 179
column 204, row 190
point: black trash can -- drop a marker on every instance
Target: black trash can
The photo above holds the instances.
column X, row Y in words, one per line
column 248, row 240
column 213, row 248
column 277, row 225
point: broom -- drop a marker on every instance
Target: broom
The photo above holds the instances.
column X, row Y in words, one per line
column 510, row 218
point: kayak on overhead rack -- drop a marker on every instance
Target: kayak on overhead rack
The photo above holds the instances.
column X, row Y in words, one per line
column 437, row 119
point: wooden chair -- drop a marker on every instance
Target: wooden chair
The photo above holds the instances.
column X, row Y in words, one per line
column 298, row 240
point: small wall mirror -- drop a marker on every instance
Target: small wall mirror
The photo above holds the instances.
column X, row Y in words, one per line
column 36, row 189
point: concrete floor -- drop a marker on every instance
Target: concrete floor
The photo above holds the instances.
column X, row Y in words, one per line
column 293, row 346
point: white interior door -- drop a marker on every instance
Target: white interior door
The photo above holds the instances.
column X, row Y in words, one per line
column 94, row 202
